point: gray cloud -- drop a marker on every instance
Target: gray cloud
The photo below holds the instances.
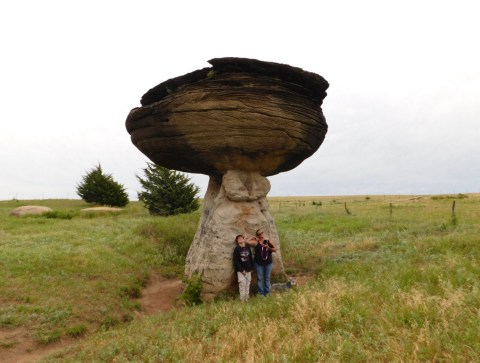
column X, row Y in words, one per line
column 402, row 107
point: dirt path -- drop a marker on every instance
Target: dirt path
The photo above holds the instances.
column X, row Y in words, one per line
column 18, row 345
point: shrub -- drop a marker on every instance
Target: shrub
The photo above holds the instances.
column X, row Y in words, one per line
column 193, row 289
column 58, row 215
column 99, row 188
column 133, row 291
column 458, row 196
column 48, row 337
column 167, row 192
column 109, row 322
column 77, row 331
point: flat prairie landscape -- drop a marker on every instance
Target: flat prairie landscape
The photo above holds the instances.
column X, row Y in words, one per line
column 381, row 279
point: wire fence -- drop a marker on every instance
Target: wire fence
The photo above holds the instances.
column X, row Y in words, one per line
column 453, row 206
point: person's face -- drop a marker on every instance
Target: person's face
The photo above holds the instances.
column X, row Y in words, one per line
column 260, row 234
column 241, row 241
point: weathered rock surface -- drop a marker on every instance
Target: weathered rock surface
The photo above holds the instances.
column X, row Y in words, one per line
column 235, row 204
column 30, row 210
column 241, row 114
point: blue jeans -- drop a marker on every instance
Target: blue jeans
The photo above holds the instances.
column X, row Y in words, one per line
column 263, row 278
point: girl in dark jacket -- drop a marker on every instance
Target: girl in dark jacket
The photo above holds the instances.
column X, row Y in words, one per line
column 243, row 263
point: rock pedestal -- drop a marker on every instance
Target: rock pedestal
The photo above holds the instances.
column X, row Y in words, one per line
column 238, row 121
column 234, row 204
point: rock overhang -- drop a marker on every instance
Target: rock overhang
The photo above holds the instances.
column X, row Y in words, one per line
column 239, row 114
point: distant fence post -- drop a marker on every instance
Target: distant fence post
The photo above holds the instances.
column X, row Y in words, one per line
column 391, row 210
column 454, row 216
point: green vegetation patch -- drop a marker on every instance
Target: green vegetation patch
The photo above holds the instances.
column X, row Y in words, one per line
column 65, row 276
column 394, row 280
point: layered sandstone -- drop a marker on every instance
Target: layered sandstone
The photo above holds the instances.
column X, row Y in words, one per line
column 240, row 114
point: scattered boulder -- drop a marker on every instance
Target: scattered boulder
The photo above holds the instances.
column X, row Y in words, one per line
column 30, row 210
column 283, row 286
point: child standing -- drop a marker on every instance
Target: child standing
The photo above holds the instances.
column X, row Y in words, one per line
column 243, row 263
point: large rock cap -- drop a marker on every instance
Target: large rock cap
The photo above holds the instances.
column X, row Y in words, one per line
column 239, row 114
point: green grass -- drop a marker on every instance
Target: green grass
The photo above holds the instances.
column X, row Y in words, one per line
column 399, row 287
column 57, row 274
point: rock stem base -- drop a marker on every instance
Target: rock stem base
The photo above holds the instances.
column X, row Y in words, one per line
column 234, row 204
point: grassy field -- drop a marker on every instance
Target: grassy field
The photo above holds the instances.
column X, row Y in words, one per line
column 75, row 273
column 396, row 279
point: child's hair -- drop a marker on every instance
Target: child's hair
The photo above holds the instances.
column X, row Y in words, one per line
column 236, row 238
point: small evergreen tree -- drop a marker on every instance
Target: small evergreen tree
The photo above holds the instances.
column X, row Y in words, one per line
column 100, row 188
column 167, row 192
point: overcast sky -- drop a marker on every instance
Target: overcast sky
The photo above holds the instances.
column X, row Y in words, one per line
column 403, row 106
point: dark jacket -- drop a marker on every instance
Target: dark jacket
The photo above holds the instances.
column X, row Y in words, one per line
column 242, row 259
column 263, row 255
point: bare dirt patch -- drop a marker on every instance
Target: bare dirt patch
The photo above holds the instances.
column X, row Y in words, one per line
column 18, row 346
column 161, row 294
column 301, row 280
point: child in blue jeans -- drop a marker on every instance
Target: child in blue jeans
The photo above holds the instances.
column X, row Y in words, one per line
column 263, row 260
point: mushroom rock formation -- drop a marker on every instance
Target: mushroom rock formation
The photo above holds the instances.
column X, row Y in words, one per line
column 238, row 121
